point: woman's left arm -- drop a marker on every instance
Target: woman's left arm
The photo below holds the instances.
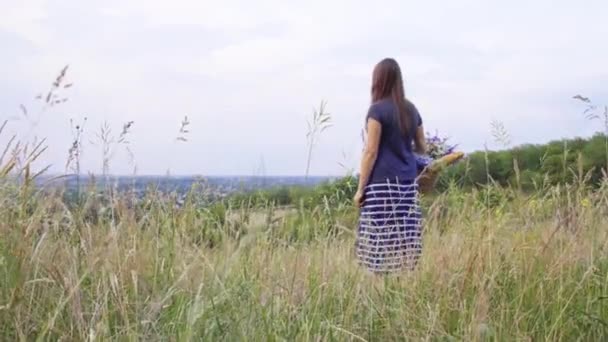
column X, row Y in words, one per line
column 370, row 154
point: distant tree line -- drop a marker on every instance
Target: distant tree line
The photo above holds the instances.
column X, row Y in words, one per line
column 530, row 166
column 527, row 167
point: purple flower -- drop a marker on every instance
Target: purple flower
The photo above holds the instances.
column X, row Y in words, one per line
column 437, row 147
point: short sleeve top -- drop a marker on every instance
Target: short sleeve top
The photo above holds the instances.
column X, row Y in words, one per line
column 396, row 160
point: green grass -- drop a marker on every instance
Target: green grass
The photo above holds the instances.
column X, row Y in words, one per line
column 516, row 267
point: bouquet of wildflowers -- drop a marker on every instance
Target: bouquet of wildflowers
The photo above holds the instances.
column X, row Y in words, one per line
column 437, row 147
column 439, row 154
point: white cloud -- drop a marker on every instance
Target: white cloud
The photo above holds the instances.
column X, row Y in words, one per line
column 24, row 19
column 230, row 15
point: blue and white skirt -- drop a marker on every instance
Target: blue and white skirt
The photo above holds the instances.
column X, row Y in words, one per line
column 389, row 238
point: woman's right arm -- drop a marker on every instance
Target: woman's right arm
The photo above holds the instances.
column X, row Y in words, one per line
column 419, row 138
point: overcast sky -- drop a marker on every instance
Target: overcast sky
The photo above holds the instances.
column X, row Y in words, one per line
column 248, row 73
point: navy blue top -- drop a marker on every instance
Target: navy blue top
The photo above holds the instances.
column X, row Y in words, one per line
column 396, row 160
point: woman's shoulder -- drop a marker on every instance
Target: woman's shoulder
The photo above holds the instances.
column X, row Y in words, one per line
column 388, row 105
column 411, row 107
column 379, row 109
column 388, row 102
column 409, row 103
column 382, row 104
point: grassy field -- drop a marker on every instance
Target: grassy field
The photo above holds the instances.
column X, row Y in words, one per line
column 498, row 265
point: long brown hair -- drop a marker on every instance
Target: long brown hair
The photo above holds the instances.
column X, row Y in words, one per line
column 387, row 82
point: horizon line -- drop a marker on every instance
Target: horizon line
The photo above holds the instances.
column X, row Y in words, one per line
column 198, row 175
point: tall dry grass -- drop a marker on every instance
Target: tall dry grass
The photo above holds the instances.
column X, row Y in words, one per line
column 515, row 268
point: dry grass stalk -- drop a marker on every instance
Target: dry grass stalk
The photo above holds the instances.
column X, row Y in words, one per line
column 320, row 121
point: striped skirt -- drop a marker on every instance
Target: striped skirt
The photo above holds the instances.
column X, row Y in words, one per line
column 389, row 235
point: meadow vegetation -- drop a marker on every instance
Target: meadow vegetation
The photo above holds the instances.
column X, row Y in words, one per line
column 497, row 265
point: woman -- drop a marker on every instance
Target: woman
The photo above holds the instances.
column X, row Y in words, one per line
column 389, row 236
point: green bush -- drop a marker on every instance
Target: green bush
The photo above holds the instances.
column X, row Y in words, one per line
column 556, row 162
